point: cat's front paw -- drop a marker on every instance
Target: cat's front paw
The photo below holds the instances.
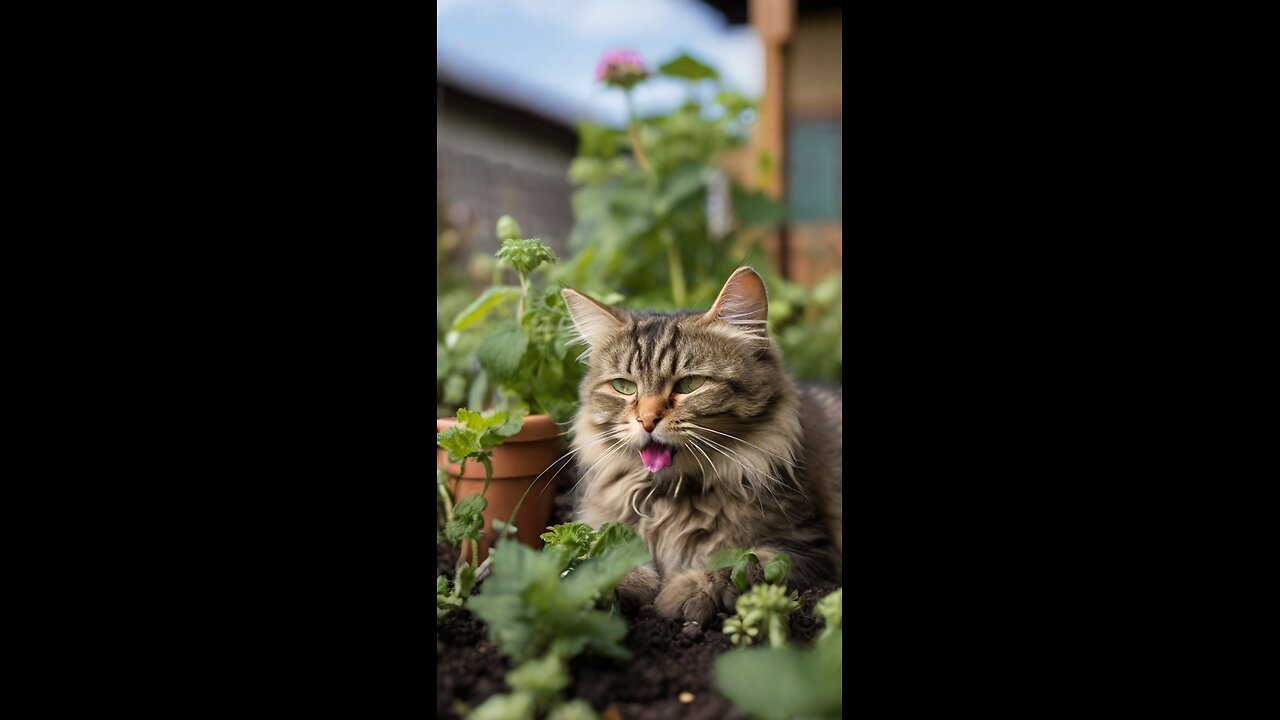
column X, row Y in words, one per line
column 638, row 588
column 696, row 595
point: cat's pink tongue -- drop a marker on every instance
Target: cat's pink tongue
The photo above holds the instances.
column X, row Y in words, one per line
column 655, row 457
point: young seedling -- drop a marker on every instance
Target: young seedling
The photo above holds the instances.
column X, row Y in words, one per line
column 531, row 612
column 741, row 559
column 830, row 608
column 473, row 438
column 737, row 558
column 766, row 607
column 578, row 542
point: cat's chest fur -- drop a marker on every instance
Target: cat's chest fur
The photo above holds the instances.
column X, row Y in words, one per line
column 682, row 528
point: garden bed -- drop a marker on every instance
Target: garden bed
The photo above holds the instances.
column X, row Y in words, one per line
column 669, row 674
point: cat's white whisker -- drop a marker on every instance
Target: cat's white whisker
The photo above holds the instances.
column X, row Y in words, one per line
column 612, row 449
column 569, row 454
column 700, row 466
column 708, row 457
column 676, row 496
column 753, row 469
column 734, row 437
column 722, row 449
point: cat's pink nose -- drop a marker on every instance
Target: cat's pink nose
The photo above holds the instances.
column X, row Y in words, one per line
column 649, row 424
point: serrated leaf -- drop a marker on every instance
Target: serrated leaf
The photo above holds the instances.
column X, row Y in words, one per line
column 501, row 352
column 611, row 535
column 575, row 538
column 458, row 441
column 531, row 612
column 526, row 255
column 488, row 301
column 602, row 573
column 684, row 66
column 467, row 520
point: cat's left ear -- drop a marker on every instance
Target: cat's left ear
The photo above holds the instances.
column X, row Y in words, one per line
column 743, row 303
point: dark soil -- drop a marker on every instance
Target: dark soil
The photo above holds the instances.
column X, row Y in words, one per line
column 668, row 658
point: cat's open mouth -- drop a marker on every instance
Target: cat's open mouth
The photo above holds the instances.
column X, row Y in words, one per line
column 656, row 456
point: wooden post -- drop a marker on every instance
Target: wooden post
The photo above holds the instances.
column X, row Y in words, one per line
column 774, row 20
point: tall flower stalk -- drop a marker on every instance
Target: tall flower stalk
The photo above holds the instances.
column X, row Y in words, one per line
column 625, row 69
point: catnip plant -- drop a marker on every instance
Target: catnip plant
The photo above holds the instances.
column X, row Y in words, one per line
column 541, row 615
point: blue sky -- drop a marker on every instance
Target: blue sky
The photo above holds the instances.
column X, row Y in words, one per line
column 543, row 53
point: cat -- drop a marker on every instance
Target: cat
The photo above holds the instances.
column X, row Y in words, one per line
column 690, row 431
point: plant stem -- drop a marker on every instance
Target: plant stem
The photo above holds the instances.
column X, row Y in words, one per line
column 633, row 132
column 524, row 290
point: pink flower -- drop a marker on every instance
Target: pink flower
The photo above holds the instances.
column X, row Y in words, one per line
column 622, row 68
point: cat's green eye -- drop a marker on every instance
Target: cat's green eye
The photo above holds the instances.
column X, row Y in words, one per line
column 626, row 387
column 689, row 384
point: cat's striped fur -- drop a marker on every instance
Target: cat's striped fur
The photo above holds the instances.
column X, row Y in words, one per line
column 755, row 459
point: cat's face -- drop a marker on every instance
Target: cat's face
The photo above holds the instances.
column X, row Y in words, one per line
column 665, row 388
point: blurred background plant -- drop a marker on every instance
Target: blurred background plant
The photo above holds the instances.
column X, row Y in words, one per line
column 660, row 203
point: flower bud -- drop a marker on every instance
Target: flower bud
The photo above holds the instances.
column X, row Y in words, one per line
column 508, row 229
column 621, row 68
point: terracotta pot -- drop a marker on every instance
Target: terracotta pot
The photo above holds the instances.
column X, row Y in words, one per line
column 516, row 462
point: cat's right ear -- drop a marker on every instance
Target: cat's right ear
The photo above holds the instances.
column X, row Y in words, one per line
column 594, row 320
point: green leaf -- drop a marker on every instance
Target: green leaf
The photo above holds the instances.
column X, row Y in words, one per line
column 576, row 709
column 757, row 210
column 466, row 580
column 501, row 352
column 483, row 305
column 515, row 706
column 831, row 610
column 467, row 520
column 602, row 573
column 683, row 183
column 597, row 141
column 611, row 535
column 777, row 568
column 476, row 433
column 541, row 678
column 526, row 255
column 530, row 611
column 575, row 538
column 684, row 66
column 458, row 441
column 733, row 102
column 782, row 683
column 737, row 558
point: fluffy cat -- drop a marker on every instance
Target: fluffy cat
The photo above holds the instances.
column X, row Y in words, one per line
column 690, row 431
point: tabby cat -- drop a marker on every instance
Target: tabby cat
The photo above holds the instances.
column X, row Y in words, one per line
column 690, row 431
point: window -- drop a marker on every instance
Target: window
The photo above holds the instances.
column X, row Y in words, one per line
column 814, row 170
